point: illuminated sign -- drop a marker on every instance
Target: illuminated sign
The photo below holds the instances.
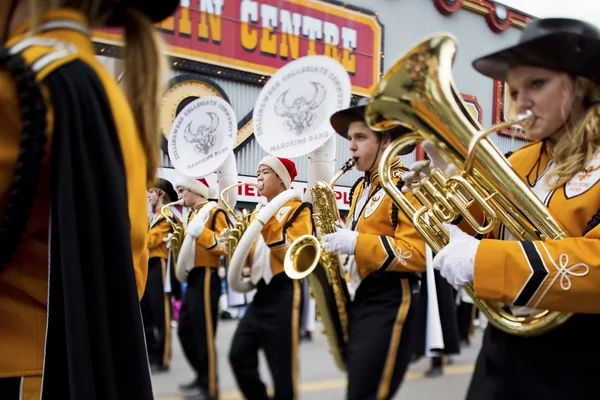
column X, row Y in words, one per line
column 262, row 36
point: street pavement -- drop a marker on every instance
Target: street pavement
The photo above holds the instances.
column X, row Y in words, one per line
column 319, row 377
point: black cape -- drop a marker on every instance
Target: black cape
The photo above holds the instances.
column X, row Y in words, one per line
column 95, row 345
column 448, row 317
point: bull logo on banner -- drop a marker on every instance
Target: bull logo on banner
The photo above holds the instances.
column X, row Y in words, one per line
column 300, row 115
column 204, row 139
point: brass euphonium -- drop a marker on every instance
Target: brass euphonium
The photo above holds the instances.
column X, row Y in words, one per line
column 306, row 258
column 177, row 228
column 419, row 93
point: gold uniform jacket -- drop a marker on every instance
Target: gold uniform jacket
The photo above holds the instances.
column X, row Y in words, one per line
column 159, row 230
column 386, row 238
column 562, row 275
column 24, row 281
column 208, row 250
column 291, row 221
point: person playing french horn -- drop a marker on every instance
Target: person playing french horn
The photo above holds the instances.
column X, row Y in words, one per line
column 553, row 72
column 155, row 303
column 198, row 316
column 272, row 319
column 388, row 255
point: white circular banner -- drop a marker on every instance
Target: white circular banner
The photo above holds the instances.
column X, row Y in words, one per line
column 202, row 136
column 291, row 114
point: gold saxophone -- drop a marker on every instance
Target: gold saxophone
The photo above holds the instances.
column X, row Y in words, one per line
column 306, row 258
column 419, row 93
column 177, row 228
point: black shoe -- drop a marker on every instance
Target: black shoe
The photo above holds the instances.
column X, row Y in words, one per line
column 434, row 372
column 191, row 386
column 202, row 395
column 306, row 336
column 158, row 368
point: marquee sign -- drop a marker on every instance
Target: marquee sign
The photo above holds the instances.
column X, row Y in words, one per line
column 503, row 109
column 261, row 36
column 498, row 16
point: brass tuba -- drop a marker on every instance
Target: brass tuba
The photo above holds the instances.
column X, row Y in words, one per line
column 419, row 93
column 241, row 238
column 177, row 228
column 306, row 258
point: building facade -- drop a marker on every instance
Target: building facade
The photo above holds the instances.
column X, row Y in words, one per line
column 230, row 48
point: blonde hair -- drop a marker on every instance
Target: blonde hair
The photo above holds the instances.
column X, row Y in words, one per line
column 576, row 148
column 144, row 66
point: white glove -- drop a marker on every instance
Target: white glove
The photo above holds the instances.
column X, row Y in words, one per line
column 222, row 273
column 437, row 161
column 341, row 242
column 456, row 261
column 167, row 240
column 195, row 228
column 418, row 171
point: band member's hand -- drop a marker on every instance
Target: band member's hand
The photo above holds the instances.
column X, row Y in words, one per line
column 456, row 261
column 341, row 242
column 437, row 161
column 167, row 240
column 412, row 179
column 222, row 273
column 195, row 228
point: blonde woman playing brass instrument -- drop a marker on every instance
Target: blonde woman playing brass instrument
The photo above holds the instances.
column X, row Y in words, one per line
column 553, row 72
column 388, row 254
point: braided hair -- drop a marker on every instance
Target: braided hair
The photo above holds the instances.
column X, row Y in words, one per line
column 31, row 153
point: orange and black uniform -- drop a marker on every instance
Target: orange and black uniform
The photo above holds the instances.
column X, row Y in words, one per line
column 198, row 316
column 562, row 275
column 389, row 256
column 155, row 304
column 69, row 307
column 272, row 319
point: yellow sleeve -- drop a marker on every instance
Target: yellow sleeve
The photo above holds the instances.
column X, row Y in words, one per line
column 157, row 233
column 560, row 275
column 208, row 237
column 405, row 251
column 141, row 273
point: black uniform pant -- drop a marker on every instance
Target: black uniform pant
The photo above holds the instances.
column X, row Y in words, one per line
column 156, row 314
column 21, row 387
column 380, row 333
column 198, row 325
column 271, row 323
column 561, row 364
column 466, row 315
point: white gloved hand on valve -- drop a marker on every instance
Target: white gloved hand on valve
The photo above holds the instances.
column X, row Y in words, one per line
column 167, row 240
column 456, row 261
column 341, row 242
column 437, row 161
column 195, row 228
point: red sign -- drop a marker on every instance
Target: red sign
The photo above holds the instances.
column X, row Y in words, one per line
column 250, row 194
column 260, row 36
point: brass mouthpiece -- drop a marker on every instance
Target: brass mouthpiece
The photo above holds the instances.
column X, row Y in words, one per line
column 524, row 120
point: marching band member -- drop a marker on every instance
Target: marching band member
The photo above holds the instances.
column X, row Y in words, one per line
column 155, row 304
column 272, row 319
column 388, row 254
column 552, row 71
column 71, row 325
column 198, row 316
